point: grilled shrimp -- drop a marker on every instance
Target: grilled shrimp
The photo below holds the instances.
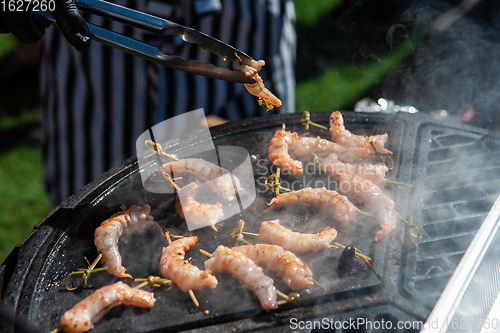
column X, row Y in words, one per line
column 278, row 152
column 259, row 90
column 83, row 316
column 246, row 271
column 180, row 271
column 250, row 68
column 284, row 142
column 106, row 236
column 338, row 205
column 216, row 176
column 304, row 146
column 344, row 137
column 193, row 211
column 273, row 232
column 373, row 172
column 365, row 191
column 287, row 265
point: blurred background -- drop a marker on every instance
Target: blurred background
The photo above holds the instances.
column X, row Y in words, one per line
column 439, row 56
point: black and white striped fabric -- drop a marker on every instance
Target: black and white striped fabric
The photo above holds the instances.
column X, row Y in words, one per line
column 96, row 104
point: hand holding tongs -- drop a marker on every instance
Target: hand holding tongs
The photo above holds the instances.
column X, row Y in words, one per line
column 162, row 27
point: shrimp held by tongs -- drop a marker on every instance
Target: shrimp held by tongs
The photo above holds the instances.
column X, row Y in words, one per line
column 161, row 26
column 250, row 68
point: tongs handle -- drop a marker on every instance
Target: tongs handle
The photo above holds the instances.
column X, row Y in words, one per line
column 123, row 14
column 163, row 27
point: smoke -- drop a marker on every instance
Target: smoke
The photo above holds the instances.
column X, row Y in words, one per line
column 456, row 68
column 306, row 219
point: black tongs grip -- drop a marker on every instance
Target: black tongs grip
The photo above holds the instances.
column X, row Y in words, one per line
column 162, row 27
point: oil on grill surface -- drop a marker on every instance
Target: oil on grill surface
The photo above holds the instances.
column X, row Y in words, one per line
column 458, row 173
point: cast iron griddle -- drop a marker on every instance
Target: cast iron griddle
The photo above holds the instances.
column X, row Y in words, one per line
column 32, row 278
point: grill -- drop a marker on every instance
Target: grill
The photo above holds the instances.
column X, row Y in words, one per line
column 456, row 170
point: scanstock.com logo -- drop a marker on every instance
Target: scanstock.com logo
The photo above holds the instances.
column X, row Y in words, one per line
column 221, row 177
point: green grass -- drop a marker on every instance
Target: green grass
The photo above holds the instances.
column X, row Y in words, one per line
column 24, row 117
column 308, row 14
column 328, row 76
column 344, row 84
column 23, row 201
column 6, row 44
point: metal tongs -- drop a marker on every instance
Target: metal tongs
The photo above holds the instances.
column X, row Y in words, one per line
column 162, row 27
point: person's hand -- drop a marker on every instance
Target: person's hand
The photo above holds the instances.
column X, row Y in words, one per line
column 30, row 29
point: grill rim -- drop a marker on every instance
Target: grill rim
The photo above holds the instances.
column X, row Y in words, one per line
column 87, row 194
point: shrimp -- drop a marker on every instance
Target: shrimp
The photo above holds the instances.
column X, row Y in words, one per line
column 193, row 211
column 278, row 152
column 250, row 68
column 338, row 205
column 180, row 271
column 304, row 146
column 246, row 271
column 273, row 232
column 365, row 191
column 106, row 236
column 287, row 265
column 284, row 142
column 83, row 316
column 218, row 177
column 259, row 90
column 333, row 167
column 344, row 137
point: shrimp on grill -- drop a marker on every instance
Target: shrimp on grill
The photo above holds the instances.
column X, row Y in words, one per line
column 106, row 236
column 246, row 271
column 344, row 137
column 83, row 316
column 304, row 146
column 251, row 68
column 285, row 142
column 180, row 271
column 278, row 152
column 373, row 172
column 338, row 205
column 218, row 177
column 193, row 211
column 365, row 191
column 287, row 265
column 273, row 232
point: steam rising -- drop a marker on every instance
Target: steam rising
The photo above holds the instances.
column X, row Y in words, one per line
column 456, row 69
column 228, row 170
